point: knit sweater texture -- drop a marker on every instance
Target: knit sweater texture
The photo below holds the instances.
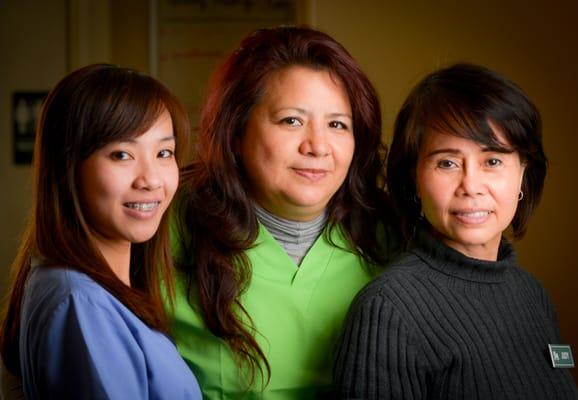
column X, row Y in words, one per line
column 440, row 325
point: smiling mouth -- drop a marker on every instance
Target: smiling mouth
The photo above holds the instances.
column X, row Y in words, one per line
column 472, row 216
column 311, row 173
column 143, row 206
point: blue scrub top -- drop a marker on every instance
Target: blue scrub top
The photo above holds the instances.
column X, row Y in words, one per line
column 78, row 341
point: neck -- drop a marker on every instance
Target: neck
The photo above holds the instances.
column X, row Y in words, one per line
column 484, row 251
column 117, row 255
column 456, row 264
column 295, row 237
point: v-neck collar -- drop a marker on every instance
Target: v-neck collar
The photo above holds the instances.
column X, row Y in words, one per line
column 270, row 261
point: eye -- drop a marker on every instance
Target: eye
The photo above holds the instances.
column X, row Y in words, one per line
column 338, row 125
column 494, row 162
column 446, row 164
column 292, row 121
column 120, row 156
column 166, row 153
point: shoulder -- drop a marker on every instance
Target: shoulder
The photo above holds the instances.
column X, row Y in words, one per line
column 527, row 284
column 387, row 305
column 55, row 293
column 520, row 277
column 407, row 266
column 396, row 285
column 56, row 284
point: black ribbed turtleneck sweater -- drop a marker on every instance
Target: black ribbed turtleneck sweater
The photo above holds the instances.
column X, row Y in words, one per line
column 439, row 325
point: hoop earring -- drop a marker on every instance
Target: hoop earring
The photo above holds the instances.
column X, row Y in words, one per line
column 520, row 195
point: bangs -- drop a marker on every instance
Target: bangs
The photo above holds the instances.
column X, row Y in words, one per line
column 125, row 106
column 461, row 120
column 135, row 109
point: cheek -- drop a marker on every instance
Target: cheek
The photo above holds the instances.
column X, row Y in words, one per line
column 434, row 202
column 508, row 193
column 343, row 151
column 435, row 193
column 256, row 149
column 102, row 185
column 171, row 181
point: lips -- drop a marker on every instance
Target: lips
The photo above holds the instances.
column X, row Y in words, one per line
column 472, row 216
column 312, row 174
column 143, row 206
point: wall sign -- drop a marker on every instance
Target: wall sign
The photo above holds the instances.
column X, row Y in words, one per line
column 26, row 108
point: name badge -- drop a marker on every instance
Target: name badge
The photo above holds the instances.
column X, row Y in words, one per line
column 561, row 355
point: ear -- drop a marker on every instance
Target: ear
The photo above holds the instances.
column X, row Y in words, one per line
column 522, row 172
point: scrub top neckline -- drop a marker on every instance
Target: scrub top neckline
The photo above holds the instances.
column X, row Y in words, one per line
column 276, row 265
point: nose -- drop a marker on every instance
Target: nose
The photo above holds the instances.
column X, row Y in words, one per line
column 315, row 142
column 148, row 176
column 472, row 182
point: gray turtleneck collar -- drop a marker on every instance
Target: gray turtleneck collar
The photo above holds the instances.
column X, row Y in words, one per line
column 294, row 236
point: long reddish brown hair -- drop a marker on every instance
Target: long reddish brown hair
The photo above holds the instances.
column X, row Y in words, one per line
column 88, row 109
column 217, row 220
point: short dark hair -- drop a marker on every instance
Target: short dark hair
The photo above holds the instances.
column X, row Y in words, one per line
column 462, row 99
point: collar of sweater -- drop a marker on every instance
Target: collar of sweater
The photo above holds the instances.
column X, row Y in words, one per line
column 453, row 263
column 291, row 232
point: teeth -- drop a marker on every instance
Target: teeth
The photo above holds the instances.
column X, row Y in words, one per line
column 475, row 214
column 143, row 206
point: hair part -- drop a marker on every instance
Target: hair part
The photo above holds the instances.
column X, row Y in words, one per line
column 465, row 100
column 88, row 109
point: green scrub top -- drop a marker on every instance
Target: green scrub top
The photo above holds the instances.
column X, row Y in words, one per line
column 297, row 311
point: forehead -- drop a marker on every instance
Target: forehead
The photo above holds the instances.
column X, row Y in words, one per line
column 299, row 81
column 493, row 138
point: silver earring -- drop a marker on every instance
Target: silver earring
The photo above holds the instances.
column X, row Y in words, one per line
column 520, row 195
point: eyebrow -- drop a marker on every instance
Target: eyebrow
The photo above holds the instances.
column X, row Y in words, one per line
column 442, row 151
column 299, row 110
column 164, row 139
column 340, row 115
column 503, row 150
column 305, row 112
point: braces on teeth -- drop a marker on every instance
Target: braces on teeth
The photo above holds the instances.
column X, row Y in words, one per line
column 142, row 206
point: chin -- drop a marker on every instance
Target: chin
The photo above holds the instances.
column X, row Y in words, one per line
column 310, row 200
column 472, row 240
column 141, row 237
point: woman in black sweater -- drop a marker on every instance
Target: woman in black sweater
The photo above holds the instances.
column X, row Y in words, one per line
column 455, row 317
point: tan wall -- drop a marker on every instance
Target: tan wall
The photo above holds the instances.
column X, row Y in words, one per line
column 40, row 41
column 129, row 23
column 532, row 42
column 32, row 57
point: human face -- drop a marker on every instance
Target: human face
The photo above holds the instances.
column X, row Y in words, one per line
column 469, row 193
column 298, row 143
column 125, row 187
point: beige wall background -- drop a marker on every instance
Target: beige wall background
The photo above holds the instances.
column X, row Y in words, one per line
column 33, row 55
column 396, row 42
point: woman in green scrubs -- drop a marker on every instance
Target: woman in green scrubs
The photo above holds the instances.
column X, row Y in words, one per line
column 282, row 216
